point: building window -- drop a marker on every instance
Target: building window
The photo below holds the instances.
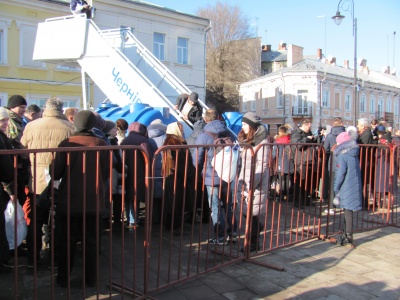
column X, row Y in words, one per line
column 347, row 102
column 244, row 105
column 362, row 103
column 40, row 100
column 303, row 107
column 279, row 98
column 27, row 43
column 372, row 105
column 380, row 107
column 1, row 45
column 265, row 104
column 183, row 50
column 396, row 107
column 325, row 98
column 3, row 99
column 337, row 100
column 389, row 105
column 159, row 45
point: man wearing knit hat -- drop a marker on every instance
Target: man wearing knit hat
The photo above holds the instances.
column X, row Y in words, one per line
column 16, row 109
column 44, row 133
column 82, row 175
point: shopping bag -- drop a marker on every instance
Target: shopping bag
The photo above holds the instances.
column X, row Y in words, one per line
column 21, row 228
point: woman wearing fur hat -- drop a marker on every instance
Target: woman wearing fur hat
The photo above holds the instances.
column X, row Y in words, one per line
column 254, row 134
column 347, row 182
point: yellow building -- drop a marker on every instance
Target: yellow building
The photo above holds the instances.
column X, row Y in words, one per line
column 19, row 74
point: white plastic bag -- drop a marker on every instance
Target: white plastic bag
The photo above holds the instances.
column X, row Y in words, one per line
column 22, row 229
column 225, row 163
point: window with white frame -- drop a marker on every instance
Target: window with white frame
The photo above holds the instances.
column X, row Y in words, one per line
column 3, row 42
column 372, row 105
column 279, row 98
column 159, row 46
column 253, row 101
column 389, row 105
column 183, row 50
column 380, row 105
column 362, row 103
column 325, row 98
column 244, row 105
column 40, row 100
column 347, row 102
column 3, row 99
column 1, row 46
column 27, row 43
column 265, row 104
column 337, row 100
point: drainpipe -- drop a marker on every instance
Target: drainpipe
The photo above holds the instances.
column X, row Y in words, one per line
column 284, row 100
column 320, row 100
column 205, row 59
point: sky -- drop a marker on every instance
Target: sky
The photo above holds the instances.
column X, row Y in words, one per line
column 308, row 23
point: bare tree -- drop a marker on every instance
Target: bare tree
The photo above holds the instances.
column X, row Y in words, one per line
column 233, row 54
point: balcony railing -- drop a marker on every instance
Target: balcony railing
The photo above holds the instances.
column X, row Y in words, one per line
column 302, row 110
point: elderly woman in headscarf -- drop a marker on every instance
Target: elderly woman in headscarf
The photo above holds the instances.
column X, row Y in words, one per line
column 178, row 171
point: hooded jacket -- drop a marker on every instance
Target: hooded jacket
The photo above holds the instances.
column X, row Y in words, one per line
column 282, row 154
column 330, row 140
column 348, row 175
column 135, row 162
column 210, row 176
column 261, row 177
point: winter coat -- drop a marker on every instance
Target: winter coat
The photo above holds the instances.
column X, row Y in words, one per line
column 179, row 181
column 330, row 139
column 15, row 128
column 382, row 166
column 348, row 175
column 261, row 177
column 365, row 138
column 46, row 132
column 7, row 170
column 197, row 129
column 209, row 174
column 281, row 152
column 195, row 113
column 157, row 137
column 135, row 180
column 94, row 194
column 306, row 154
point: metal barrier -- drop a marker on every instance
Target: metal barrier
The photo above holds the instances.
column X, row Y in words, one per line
column 279, row 196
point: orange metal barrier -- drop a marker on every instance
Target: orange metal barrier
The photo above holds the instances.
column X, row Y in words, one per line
column 169, row 239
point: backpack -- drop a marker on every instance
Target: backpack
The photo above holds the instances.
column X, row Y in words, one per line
column 225, row 160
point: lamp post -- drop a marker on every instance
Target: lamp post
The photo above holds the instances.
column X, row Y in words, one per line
column 338, row 19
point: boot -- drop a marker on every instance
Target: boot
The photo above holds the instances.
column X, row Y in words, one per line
column 345, row 239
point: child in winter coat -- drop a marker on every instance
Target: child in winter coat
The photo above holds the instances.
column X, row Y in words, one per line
column 347, row 182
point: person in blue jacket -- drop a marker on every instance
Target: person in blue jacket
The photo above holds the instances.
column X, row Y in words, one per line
column 347, row 183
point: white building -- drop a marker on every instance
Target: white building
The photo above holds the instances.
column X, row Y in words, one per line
column 176, row 38
column 320, row 91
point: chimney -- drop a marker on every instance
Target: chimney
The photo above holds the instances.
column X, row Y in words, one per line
column 331, row 60
column 346, row 64
column 387, row 71
column 282, row 46
column 295, row 54
column 319, row 53
column 266, row 48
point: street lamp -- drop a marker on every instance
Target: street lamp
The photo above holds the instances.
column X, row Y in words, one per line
column 338, row 18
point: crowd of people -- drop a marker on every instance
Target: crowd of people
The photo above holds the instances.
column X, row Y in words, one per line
column 178, row 173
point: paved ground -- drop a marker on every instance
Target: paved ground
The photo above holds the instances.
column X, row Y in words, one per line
column 312, row 270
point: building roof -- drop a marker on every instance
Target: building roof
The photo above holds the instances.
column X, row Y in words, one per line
column 271, row 56
column 310, row 65
column 138, row 2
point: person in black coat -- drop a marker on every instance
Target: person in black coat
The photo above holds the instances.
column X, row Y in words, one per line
column 189, row 107
column 303, row 161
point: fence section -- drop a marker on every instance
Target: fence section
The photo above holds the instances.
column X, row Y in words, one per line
column 155, row 221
